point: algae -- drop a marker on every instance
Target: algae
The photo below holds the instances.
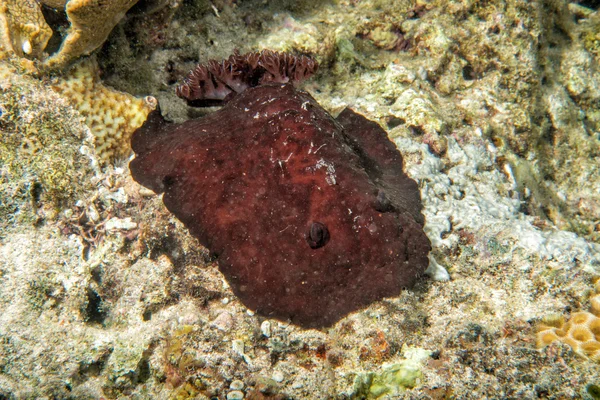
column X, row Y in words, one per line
column 46, row 159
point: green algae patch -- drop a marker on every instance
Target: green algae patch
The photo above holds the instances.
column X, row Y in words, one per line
column 394, row 379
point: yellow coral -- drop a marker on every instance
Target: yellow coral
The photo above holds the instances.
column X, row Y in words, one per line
column 581, row 331
column 91, row 22
column 25, row 32
column 112, row 116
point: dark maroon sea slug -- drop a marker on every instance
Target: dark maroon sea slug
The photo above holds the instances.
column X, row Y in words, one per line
column 310, row 217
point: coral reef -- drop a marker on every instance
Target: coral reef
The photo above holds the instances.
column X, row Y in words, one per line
column 105, row 294
column 23, row 28
column 112, row 116
column 581, row 331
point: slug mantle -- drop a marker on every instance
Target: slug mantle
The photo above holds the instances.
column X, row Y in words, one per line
column 310, row 217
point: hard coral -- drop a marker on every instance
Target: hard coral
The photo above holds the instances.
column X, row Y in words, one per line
column 26, row 33
column 216, row 82
column 581, row 331
column 112, row 116
column 24, row 30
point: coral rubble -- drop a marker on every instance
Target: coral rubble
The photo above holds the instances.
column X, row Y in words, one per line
column 46, row 153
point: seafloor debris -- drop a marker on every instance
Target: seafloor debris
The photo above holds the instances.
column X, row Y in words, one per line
column 491, row 79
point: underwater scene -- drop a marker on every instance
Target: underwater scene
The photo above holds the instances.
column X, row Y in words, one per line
column 299, row 199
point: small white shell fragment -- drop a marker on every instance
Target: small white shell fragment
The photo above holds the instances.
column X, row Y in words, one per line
column 27, row 49
column 437, row 272
column 278, row 376
column 93, row 213
column 236, row 385
column 223, row 322
column 265, row 328
column 115, row 223
column 297, row 385
column 238, row 346
column 118, row 196
column 144, row 192
column 235, row 395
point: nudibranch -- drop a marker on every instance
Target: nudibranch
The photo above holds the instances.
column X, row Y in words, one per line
column 310, row 217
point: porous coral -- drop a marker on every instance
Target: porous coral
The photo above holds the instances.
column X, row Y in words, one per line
column 112, row 116
column 581, row 331
column 26, row 33
column 24, row 30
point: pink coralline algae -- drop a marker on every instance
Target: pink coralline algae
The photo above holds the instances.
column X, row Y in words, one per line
column 310, row 217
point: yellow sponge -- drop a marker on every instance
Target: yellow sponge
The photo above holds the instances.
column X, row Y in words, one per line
column 581, row 331
column 112, row 116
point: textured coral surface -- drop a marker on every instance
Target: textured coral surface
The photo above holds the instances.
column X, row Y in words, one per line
column 308, row 221
column 24, row 31
column 111, row 115
column 581, row 331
